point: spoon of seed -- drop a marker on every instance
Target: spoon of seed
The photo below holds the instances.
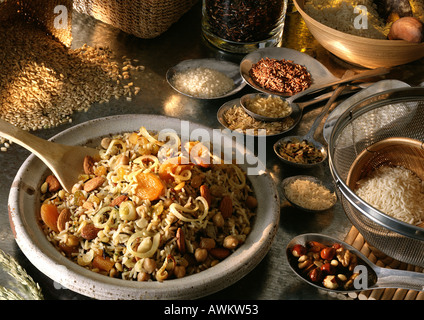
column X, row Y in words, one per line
column 288, row 105
column 66, row 162
column 305, row 151
column 346, row 272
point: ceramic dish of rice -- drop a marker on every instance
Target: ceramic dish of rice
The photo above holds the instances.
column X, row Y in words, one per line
column 145, row 248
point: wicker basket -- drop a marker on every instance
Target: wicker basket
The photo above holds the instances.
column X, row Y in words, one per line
column 142, row 18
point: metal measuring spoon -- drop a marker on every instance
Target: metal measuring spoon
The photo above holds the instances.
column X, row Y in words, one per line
column 309, row 137
column 250, row 96
column 287, row 181
column 378, row 277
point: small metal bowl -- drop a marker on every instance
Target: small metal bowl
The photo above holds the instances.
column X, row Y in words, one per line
column 314, row 143
column 244, row 99
column 287, row 181
column 230, row 69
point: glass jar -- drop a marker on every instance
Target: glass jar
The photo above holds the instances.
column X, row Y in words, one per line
column 242, row 26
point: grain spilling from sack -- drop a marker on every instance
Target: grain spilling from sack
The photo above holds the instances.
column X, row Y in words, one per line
column 42, row 82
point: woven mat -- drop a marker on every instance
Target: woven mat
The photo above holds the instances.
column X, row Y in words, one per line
column 355, row 239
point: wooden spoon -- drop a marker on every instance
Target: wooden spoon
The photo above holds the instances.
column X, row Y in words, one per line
column 66, row 162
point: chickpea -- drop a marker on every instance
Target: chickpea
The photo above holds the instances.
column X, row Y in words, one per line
column 105, row 143
column 72, row 241
column 201, row 254
column 149, row 265
column 218, row 220
column 179, row 271
column 143, row 276
column 230, row 242
column 123, row 160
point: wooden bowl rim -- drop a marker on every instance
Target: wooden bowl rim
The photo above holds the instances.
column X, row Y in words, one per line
column 299, row 4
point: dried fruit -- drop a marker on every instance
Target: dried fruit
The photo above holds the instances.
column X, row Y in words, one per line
column 226, row 207
column 118, row 200
column 64, row 217
column 220, row 253
column 89, row 231
column 88, row 164
column 181, row 241
column 49, row 215
column 53, row 183
column 205, row 193
column 94, row 183
column 150, row 186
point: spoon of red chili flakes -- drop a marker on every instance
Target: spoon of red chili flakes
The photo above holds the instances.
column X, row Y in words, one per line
column 282, row 76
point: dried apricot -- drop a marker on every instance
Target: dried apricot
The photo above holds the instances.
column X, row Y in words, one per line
column 49, row 215
column 150, row 186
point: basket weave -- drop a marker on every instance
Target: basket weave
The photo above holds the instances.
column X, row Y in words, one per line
column 142, row 18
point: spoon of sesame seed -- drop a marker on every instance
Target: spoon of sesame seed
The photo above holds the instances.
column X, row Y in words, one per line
column 66, row 162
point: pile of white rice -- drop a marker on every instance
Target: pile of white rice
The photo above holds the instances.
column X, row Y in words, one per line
column 396, row 191
column 203, row 82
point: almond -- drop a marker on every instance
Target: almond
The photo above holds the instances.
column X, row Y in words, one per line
column 226, row 207
column 118, row 200
column 93, row 183
column 89, row 231
column 251, row 202
column 219, row 253
column 88, row 165
column 64, row 217
column 181, row 241
column 205, row 193
column 53, row 183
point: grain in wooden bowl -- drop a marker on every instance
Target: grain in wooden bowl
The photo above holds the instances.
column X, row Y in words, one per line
column 360, row 48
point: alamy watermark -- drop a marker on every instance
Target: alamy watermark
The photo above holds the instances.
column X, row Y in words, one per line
column 61, row 19
column 361, row 20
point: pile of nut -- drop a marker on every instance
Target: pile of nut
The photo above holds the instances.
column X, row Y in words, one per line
column 329, row 266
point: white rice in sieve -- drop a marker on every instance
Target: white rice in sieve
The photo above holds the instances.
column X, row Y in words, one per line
column 395, row 191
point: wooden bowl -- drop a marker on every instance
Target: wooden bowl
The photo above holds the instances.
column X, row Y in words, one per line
column 366, row 52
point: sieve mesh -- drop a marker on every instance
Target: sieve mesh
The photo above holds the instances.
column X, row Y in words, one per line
column 391, row 114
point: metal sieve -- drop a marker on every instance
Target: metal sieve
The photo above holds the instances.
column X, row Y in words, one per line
column 383, row 129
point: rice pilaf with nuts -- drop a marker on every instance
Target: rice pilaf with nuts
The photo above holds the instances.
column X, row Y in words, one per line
column 134, row 217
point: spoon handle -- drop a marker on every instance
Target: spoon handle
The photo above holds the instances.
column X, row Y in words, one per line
column 345, row 79
column 336, row 93
column 25, row 139
column 393, row 278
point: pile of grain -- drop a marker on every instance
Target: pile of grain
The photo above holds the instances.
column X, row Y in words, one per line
column 203, row 82
column 310, row 195
column 42, row 82
column 272, row 107
column 396, row 191
column 340, row 15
